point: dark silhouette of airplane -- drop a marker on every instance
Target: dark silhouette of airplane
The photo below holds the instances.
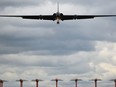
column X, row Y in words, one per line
column 57, row 16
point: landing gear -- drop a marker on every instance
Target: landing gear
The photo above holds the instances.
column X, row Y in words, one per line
column 58, row 22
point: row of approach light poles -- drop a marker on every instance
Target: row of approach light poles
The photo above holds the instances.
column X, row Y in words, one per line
column 56, row 80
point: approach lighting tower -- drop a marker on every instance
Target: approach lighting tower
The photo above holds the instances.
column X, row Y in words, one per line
column 76, row 81
column 1, row 82
column 37, row 81
column 114, row 82
column 21, row 82
column 95, row 80
column 56, row 81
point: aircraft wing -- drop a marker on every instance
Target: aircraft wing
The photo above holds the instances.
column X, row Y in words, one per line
column 51, row 17
column 41, row 17
column 71, row 17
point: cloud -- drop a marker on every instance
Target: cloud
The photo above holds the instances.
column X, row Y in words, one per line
column 12, row 3
column 78, row 60
column 32, row 49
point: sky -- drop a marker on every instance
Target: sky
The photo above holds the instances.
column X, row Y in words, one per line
column 84, row 49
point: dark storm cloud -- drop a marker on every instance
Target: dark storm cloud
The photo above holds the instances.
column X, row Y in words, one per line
column 54, row 40
column 31, row 37
column 52, row 46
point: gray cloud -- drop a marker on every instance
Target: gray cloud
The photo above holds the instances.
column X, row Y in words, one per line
column 13, row 3
column 26, row 38
column 42, row 49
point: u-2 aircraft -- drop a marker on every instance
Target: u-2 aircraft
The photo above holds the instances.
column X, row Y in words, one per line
column 57, row 16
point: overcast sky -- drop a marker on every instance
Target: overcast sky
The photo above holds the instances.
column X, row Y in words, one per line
column 84, row 49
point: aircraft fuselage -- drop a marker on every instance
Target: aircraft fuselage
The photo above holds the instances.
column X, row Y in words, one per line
column 58, row 16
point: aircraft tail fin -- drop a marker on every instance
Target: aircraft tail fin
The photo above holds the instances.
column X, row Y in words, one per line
column 58, row 7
